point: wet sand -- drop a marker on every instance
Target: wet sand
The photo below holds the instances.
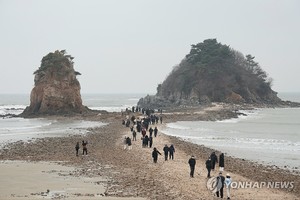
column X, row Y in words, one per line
column 45, row 179
column 116, row 172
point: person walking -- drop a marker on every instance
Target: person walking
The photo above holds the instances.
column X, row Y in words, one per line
column 208, row 167
column 146, row 141
column 228, row 185
column 220, row 185
column 166, row 152
column 221, row 162
column 192, row 163
column 133, row 135
column 151, row 131
column 171, row 151
column 155, row 131
column 150, row 141
column 77, row 148
column 143, row 132
column 84, row 148
column 214, row 160
column 128, row 142
column 155, row 153
column 138, row 126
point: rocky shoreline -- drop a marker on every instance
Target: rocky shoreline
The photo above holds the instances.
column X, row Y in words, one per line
column 133, row 174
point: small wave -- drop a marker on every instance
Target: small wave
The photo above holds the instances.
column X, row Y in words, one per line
column 20, row 128
column 254, row 141
column 176, row 126
column 22, row 125
column 203, row 130
column 264, row 141
column 233, row 120
column 11, row 109
column 270, row 144
column 25, row 129
column 248, row 114
column 110, row 109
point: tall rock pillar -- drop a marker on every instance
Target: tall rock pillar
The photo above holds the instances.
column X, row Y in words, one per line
column 56, row 89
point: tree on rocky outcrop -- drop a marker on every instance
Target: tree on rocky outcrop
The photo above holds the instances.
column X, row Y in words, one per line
column 215, row 72
column 56, row 88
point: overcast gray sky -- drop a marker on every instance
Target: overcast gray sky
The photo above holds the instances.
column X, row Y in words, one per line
column 131, row 46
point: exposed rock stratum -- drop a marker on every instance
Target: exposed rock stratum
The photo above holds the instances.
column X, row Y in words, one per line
column 56, row 89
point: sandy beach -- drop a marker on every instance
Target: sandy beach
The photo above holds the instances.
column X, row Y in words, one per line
column 28, row 170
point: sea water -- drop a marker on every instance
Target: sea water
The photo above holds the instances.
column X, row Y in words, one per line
column 269, row 136
column 111, row 102
column 16, row 128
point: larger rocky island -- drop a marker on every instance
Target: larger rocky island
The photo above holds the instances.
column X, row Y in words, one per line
column 214, row 72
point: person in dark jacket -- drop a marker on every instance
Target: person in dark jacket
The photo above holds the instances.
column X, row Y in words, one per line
column 150, row 141
column 143, row 132
column 150, row 131
column 214, row 160
column 208, row 167
column 171, row 151
column 155, row 153
column 84, row 148
column 221, row 162
column 192, row 163
column 220, row 185
column 127, row 123
column 133, row 135
column 155, row 131
column 145, row 141
column 166, row 152
column 128, row 142
column 138, row 126
column 77, row 148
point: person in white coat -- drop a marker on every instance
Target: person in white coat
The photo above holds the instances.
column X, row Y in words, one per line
column 228, row 185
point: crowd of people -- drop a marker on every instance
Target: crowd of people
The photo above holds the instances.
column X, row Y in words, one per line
column 210, row 163
column 221, row 180
column 144, row 126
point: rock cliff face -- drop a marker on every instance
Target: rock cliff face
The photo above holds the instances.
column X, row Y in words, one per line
column 56, row 89
column 213, row 72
